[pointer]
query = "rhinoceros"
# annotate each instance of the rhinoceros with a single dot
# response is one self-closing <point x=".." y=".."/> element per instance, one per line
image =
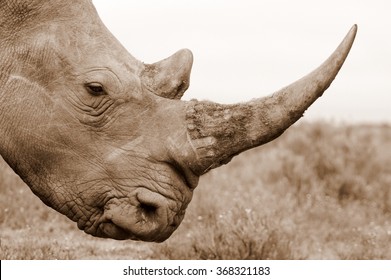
<point x="104" y="138"/>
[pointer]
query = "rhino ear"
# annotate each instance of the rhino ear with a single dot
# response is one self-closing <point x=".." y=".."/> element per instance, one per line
<point x="170" y="77"/>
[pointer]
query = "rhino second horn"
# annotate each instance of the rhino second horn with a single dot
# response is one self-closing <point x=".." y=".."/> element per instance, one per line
<point x="170" y="77"/>
<point x="219" y="132"/>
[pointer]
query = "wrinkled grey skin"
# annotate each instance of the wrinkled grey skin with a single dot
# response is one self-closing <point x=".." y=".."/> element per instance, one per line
<point x="102" y="137"/>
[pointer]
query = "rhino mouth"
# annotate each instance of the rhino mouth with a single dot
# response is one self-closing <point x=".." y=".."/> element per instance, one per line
<point x="113" y="231"/>
<point x="150" y="217"/>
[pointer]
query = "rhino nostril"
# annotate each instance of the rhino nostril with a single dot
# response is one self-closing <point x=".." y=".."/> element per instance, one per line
<point x="148" y="209"/>
<point x="148" y="204"/>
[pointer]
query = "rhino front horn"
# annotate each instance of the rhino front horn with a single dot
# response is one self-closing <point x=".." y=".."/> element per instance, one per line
<point x="219" y="132"/>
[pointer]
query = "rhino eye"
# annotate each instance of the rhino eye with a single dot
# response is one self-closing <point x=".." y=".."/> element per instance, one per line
<point x="95" y="89"/>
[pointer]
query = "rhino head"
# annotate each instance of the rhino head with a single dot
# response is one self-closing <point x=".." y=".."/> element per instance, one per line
<point x="105" y="139"/>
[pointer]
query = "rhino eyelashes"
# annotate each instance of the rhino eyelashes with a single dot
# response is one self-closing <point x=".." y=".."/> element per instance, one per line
<point x="95" y="89"/>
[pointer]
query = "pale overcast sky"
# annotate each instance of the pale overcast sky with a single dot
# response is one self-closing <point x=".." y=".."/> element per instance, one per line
<point x="251" y="48"/>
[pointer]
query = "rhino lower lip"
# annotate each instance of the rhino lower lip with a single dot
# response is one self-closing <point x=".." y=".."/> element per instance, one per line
<point x="111" y="230"/>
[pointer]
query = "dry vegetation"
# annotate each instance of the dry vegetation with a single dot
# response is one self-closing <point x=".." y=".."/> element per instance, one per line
<point x="321" y="191"/>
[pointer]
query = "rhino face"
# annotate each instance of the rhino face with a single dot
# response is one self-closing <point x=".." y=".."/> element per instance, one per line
<point x="104" y="143"/>
<point x="103" y="138"/>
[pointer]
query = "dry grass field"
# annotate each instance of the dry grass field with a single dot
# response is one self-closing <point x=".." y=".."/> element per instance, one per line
<point x="321" y="191"/>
